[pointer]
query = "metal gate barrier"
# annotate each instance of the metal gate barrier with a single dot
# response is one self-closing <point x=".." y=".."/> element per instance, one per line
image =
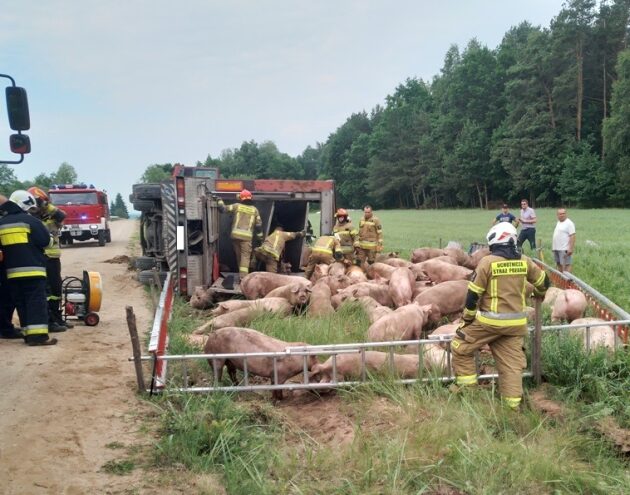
<point x="160" y="358"/>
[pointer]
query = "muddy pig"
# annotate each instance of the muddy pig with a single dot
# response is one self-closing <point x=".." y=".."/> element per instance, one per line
<point x="296" y="294"/>
<point x="401" y="286"/>
<point x="569" y="306"/>
<point x="201" y="298"/>
<point x="403" y="324"/>
<point x="259" y="284"/>
<point x="235" y="340"/>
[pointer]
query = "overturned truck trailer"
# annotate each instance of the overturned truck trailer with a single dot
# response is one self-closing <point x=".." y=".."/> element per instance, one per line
<point x="183" y="232"/>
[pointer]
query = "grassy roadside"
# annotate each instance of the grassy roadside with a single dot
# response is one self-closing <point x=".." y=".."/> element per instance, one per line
<point x="386" y="438"/>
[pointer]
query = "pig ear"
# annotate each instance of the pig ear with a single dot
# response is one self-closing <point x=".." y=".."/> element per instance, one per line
<point x="309" y="288"/>
<point x="295" y="289"/>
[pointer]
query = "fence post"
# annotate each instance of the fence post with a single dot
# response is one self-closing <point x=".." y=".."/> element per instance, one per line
<point x="135" y="345"/>
<point x="536" y="350"/>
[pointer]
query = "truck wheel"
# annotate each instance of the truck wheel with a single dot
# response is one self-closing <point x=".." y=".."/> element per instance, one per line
<point x="143" y="205"/>
<point x="146" y="191"/>
<point x="108" y="235"/>
<point x="101" y="237"/>
<point x="144" y="262"/>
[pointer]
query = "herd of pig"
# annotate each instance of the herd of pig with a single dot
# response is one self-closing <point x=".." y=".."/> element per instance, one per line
<point x="403" y="300"/>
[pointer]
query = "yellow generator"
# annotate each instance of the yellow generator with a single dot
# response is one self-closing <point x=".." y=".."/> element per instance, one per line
<point x="82" y="297"/>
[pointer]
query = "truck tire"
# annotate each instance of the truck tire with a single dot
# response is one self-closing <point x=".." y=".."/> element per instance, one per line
<point x="101" y="237"/>
<point x="146" y="191"/>
<point x="146" y="277"/>
<point x="108" y="235"/>
<point x="144" y="262"/>
<point x="143" y="205"/>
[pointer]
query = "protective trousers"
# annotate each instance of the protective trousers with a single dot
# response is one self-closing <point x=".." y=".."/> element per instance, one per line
<point x="243" y="251"/>
<point x="6" y="305"/>
<point x="506" y="344"/>
<point x="364" y="255"/>
<point x="271" y="264"/>
<point x="29" y="296"/>
<point x="53" y="289"/>
<point x="314" y="259"/>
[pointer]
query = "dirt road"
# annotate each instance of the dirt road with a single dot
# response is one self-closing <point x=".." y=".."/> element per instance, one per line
<point x="63" y="407"/>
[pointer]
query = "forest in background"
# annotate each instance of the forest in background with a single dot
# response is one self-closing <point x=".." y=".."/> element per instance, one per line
<point x="542" y="116"/>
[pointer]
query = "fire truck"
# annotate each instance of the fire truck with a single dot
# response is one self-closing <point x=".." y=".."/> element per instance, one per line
<point x="87" y="213"/>
<point x="183" y="232"/>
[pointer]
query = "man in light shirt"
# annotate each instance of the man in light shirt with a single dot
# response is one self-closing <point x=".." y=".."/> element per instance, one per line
<point x="528" y="226"/>
<point x="563" y="241"/>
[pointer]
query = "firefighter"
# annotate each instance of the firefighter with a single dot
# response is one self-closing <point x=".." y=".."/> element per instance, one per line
<point x="369" y="240"/>
<point x="52" y="217"/>
<point x="245" y="225"/>
<point x="271" y="250"/>
<point x="326" y="250"/>
<point x="495" y="314"/>
<point x="7" y="308"/>
<point x="346" y="234"/>
<point x="22" y="240"/>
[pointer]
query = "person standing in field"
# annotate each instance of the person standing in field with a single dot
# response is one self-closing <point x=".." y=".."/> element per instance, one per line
<point x="563" y="242"/>
<point x="369" y="240"/>
<point x="528" y="226"/>
<point x="345" y="234"/>
<point x="505" y="216"/>
<point x="494" y="314"/>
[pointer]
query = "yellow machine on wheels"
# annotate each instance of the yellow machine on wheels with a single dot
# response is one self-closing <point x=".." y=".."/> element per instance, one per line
<point x="82" y="297"/>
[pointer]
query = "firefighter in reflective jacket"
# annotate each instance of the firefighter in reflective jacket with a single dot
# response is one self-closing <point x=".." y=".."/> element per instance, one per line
<point x="245" y="225"/>
<point x="495" y="314"/>
<point x="326" y="250"/>
<point x="370" y="237"/>
<point x="22" y="240"/>
<point x="52" y="217"/>
<point x="271" y="250"/>
<point x="346" y="234"/>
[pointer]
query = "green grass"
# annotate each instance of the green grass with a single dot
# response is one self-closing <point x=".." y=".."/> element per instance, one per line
<point x="421" y="438"/>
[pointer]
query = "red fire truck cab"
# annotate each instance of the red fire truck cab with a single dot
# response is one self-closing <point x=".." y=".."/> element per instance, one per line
<point x="87" y="212"/>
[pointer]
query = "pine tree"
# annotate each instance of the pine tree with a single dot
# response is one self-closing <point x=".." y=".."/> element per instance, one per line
<point x="120" y="208"/>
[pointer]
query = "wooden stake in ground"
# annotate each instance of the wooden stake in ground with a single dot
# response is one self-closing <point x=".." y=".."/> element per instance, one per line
<point x="135" y="345"/>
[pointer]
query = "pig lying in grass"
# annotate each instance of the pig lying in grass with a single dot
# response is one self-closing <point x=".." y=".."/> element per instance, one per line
<point x="259" y="284"/>
<point x="379" y="292"/>
<point x="600" y="336"/>
<point x="244" y="315"/>
<point x="297" y="294"/>
<point x="236" y="340"/>
<point x="379" y="270"/>
<point x="349" y="366"/>
<point x="425" y="253"/>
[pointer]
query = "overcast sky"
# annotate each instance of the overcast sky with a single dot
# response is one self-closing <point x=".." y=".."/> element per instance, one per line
<point x="115" y="86"/>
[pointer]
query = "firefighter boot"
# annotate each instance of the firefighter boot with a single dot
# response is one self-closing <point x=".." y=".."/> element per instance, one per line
<point x="41" y="339"/>
<point x="54" y="323"/>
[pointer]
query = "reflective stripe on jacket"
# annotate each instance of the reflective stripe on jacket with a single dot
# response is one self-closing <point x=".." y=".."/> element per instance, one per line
<point x="370" y="233"/>
<point x="346" y="235"/>
<point x="246" y="217"/>
<point x="501" y="285"/>
<point x="326" y="244"/>
<point x="274" y="243"/>
<point x="53" y="218"/>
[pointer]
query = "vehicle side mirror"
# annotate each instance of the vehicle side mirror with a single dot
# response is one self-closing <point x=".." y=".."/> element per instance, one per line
<point x="17" y="108"/>
<point x="20" y="143"/>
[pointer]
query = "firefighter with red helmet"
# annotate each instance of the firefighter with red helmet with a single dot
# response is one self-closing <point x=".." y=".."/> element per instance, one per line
<point x="346" y="234"/>
<point x="245" y="225"/>
<point x="22" y="241"/>
<point x="369" y="240"/>
<point x="494" y="314"/>
<point x="52" y="217"/>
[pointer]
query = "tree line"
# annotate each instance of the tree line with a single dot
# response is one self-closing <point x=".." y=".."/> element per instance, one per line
<point x="543" y="116"/>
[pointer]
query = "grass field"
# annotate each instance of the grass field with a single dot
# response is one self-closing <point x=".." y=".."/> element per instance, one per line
<point x="385" y="438"/>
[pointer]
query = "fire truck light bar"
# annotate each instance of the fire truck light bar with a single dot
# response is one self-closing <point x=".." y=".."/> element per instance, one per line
<point x="71" y="186"/>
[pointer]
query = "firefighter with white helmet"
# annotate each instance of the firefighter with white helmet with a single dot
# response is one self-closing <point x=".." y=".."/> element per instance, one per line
<point x="345" y="233"/>
<point x="22" y="240"/>
<point x="53" y="218"/>
<point x="495" y="314"/>
<point x="245" y="225"/>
